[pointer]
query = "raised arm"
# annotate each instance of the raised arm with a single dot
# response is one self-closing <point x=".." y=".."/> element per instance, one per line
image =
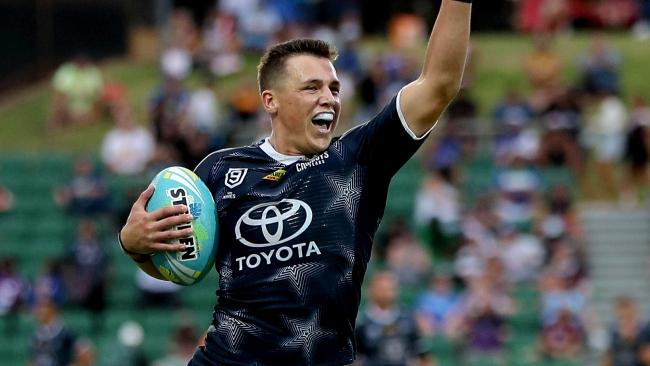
<point x="423" y="101"/>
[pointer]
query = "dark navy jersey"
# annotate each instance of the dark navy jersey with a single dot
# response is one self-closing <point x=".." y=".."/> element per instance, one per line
<point x="295" y="235"/>
<point x="388" y="337"/>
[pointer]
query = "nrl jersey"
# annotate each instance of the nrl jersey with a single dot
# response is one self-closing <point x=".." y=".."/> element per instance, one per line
<point x="295" y="235"/>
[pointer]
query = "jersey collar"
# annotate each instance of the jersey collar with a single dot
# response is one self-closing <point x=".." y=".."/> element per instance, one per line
<point x="281" y="158"/>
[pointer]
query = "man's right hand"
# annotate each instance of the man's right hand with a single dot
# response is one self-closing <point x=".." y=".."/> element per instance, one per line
<point x="148" y="232"/>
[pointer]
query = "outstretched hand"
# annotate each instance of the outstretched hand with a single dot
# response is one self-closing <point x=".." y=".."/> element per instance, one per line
<point x="148" y="232"/>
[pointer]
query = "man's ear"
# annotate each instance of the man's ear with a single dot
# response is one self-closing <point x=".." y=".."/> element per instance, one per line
<point x="269" y="102"/>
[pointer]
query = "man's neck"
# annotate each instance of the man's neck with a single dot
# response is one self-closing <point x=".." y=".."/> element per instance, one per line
<point x="281" y="146"/>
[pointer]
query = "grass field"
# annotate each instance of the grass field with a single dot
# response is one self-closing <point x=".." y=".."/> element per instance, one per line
<point x="499" y="65"/>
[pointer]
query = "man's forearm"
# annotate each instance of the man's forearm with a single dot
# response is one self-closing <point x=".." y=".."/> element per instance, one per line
<point x="447" y="49"/>
<point x="151" y="270"/>
<point x="141" y="260"/>
<point x="443" y="66"/>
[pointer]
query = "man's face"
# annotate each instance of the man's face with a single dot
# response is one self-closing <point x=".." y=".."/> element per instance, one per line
<point x="383" y="290"/>
<point x="306" y="105"/>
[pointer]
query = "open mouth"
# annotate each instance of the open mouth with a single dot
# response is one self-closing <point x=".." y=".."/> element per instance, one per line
<point x="323" y="120"/>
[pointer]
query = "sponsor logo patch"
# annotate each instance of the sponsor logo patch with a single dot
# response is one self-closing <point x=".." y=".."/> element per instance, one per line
<point x="276" y="175"/>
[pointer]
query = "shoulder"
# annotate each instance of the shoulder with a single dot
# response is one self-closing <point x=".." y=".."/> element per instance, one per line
<point x="208" y="167"/>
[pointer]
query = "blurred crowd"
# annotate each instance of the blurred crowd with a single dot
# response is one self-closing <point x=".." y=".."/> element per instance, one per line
<point x="563" y="15"/>
<point x="458" y="274"/>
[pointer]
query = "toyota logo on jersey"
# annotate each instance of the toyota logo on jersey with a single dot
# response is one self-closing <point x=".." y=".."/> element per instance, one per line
<point x="273" y="223"/>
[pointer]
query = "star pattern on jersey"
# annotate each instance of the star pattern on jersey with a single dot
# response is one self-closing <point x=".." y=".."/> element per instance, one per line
<point x="339" y="149"/>
<point x="298" y="274"/>
<point x="234" y="330"/>
<point x="346" y="193"/>
<point x="305" y="333"/>
<point x="225" y="271"/>
<point x="348" y="253"/>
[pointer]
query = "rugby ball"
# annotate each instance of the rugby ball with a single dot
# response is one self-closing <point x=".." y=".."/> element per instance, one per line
<point x="180" y="186"/>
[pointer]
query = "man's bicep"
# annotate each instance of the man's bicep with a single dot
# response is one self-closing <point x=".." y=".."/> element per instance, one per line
<point x="419" y="112"/>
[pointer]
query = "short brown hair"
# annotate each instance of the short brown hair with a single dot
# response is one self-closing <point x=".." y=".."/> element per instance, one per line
<point x="272" y="62"/>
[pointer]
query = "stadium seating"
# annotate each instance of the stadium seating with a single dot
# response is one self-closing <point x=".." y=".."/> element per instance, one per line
<point x="38" y="230"/>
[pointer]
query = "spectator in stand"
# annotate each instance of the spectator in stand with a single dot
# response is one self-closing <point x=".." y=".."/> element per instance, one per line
<point x="185" y="340"/>
<point x="637" y="154"/>
<point x="245" y="110"/>
<point x="482" y="326"/>
<point x="155" y="293"/>
<point x="515" y="135"/>
<point x="408" y="260"/>
<point x="52" y="342"/>
<point x="566" y="262"/>
<point x="259" y="26"/>
<point x="128" y="348"/>
<point x="222" y="50"/>
<point x="543" y="15"/>
<point x="605" y="135"/>
<point x="349" y="60"/>
<point x="560" y="218"/>
<point x="630" y="337"/>
<point x="512" y="111"/>
<point x="562" y="122"/>
<point x="437" y="305"/>
<point x="557" y="296"/>
<point x="385" y="333"/>
<point x="479" y="226"/>
<point x="203" y="109"/>
<point x="616" y="13"/>
<point x="49" y="284"/>
<point x="642" y="26"/>
<point x="6" y="200"/>
<point x="14" y="293"/>
<point x="205" y="116"/>
<point x="521" y="254"/>
<point x="238" y="8"/>
<point x="77" y="93"/>
<point x="564" y="338"/>
<point x="370" y="84"/>
<point x="127" y="148"/>
<point x="88" y="264"/>
<point x="517" y="184"/>
<point x="600" y="67"/>
<point x="180" y="42"/>
<point x="168" y="109"/>
<point x="180" y="30"/>
<point x="350" y="29"/>
<point x="86" y="193"/>
<point x="543" y="68"/>
<point x="396" y="228"/>
<point x="457" y="138"/>
<point x="471" y="259"/>
<point x="437" y="207"/>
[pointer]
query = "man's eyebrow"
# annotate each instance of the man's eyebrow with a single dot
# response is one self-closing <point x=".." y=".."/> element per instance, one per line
<point x="335" y="83"/>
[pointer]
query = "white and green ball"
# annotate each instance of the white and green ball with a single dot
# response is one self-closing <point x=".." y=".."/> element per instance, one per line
<point x="176" y="186"/>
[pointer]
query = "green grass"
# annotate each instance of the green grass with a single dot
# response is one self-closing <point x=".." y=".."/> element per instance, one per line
<point x="501" y="59"/>
<point x="499" y="65"/>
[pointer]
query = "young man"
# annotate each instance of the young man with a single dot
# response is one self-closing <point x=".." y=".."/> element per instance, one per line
<point x="386" y="334"/>
<point x="298" y="211"/>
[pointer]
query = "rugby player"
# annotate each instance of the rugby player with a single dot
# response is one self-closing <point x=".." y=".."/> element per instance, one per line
<point x="298" y="211"/>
